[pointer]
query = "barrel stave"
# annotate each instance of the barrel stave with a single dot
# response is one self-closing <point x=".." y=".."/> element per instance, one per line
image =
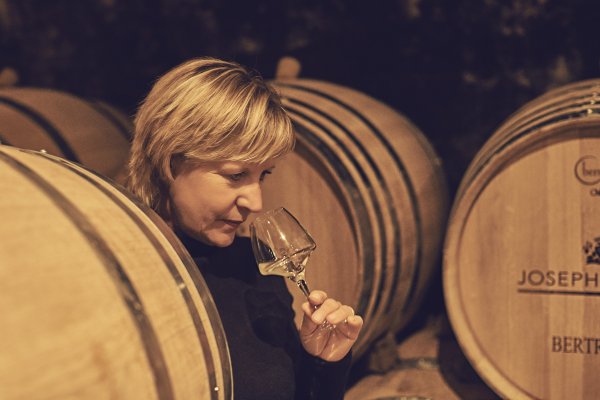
<point x="113" y="303"/>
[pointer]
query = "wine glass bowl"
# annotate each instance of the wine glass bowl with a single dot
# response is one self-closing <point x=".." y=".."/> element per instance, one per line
<point x="281" y="246"/>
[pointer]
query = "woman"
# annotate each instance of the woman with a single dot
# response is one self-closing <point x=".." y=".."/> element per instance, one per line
<point x="206" y="137"/>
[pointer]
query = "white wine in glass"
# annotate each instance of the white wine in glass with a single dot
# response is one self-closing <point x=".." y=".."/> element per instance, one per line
<point x="281" y="246"/>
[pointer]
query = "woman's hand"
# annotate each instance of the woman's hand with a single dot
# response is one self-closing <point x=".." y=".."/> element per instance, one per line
<point x="330" y="343"/>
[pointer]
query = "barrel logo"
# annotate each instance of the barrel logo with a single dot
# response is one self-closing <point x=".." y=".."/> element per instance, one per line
<point x="592" y="251"/>
<point x="587" y="170"/>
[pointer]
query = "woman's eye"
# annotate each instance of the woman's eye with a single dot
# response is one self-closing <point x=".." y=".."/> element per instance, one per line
<point x="264" y="175"/>
<point x="236" y="177"/>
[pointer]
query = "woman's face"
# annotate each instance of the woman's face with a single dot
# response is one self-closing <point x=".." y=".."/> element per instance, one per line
<point x="211" y="200"/>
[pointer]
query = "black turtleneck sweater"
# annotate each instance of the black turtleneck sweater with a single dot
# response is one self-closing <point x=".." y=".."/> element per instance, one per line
<point x="268" y="360"/>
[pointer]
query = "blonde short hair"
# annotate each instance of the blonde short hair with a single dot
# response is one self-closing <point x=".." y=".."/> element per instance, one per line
<point x="204" y="110"/>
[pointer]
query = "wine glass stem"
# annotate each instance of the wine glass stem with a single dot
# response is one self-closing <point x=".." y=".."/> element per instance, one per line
<point x="303" y="286"/>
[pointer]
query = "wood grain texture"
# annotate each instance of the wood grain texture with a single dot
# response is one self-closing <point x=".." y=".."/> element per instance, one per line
<point x="93" y="134"/>
<point x="97" y="300"/>
<point x="569" y="101"/>
<point x="520" y="289"/>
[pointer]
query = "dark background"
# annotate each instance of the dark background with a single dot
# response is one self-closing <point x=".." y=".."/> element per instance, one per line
<point x="456" y="68"/>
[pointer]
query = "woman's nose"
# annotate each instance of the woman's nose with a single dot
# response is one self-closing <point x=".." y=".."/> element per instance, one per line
<point x="251" y="199"/>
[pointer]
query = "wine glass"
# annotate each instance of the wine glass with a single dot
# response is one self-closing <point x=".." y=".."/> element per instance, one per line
<point x="281" y="246"/>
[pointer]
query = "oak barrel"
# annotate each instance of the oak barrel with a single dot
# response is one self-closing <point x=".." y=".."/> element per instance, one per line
<point x="368" y="186"/>
<point x="569" y="99"/>
<point x="91" y="133"/>
<point x="521" y="265"/>
<point x="98" y="298"/>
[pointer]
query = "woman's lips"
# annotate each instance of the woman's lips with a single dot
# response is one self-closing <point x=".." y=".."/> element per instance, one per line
<point x="231" y="223"/>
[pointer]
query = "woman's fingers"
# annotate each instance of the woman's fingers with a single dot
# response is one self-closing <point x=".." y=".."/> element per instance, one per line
<point x="325" y="310"/>
<point x="339" y="315"/>
<point x="330" y="310"/>
<point x="329" y="328"/>
<point x="351" y="326"/>
<point x="317" y="297"/>
<point x="319" y="308"/>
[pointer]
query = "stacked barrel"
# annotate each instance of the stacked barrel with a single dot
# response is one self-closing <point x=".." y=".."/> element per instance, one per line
<point x="99" y="299"/>
<point x="367" y="184"/>
<point x="91" y="133"/>
<point x="521" y="259"/>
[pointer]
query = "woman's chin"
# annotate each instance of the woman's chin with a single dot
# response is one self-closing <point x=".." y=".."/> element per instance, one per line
<point x="220" y="240"/>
